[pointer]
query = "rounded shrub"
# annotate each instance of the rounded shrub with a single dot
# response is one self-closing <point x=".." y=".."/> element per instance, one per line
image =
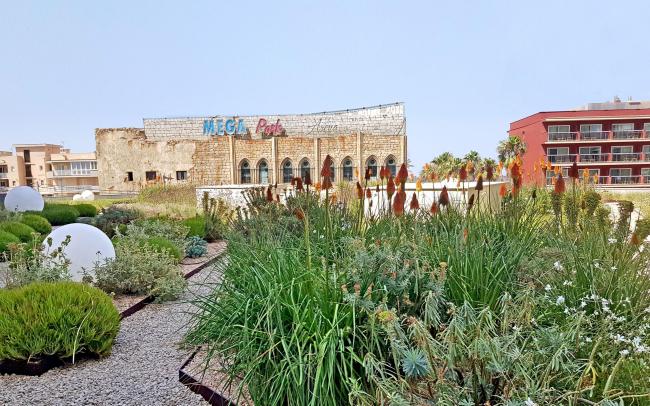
<point x="20" y="230"/>
<point x="160" y="244"/>
<point x="86" y="210"/>
<point x="59" y="214"/>
<point x="196" y="225"/>
<point x="38" y="223"/>
<point x="6" y="239"/>
<point x="56" y="319"/>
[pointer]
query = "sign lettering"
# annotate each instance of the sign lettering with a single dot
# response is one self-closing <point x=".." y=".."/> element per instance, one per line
<point x="229" y="127"/>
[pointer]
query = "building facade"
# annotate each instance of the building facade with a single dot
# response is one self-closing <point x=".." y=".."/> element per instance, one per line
<point x="49" y="168"/>
<point x="268" y="149"/>
<point x="610" y="140"/>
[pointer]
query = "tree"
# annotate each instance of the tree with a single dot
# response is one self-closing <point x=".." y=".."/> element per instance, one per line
<point x="510" y="148"/>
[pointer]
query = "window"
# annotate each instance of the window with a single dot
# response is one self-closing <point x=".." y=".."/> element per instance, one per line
<point x="347" y="169"/>
<point x="181" y="175"/>
<point x="3" y="168"/>
<point x="624" y="130"/>
<point x="624" y="153"/>
<point x="82" y="167"/>
<point x="263" y="172"/>
<point x="26" y="156"/>
<point x="592" y="132"/>
<point x="129" y="176"/>
<point x="590" y="154"/>
<point x="305" y="169"/>
<point x="557" y="155"/>
<point x="621" y="175"/>
<point x="645" y="172"/>
<point x="392" y="166"/>
<point x="150" y="175"/>
<point x="591" y="128"/>
<point x="559" y="132"/>
<point x="245" y="172"/>
<point x="372" y="167"/>
<point x="287" y="171"/>
<point x="4" y="183"/>
<point x="646" y="127"/>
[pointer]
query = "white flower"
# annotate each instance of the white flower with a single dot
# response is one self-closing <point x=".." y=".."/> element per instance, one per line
<point x="611" y="240"/>
<point x="596" y="265"/>
<point x="587" y="339"/>
<point x="567" y="283"/>
<point x="548" y="289"/>
<point x="529" y="402"/>
<point x="583" y="303"/>
<point x="624" y="352"/>
<point x="516" y="328"/>
<point x="558" y="266"/>
<point x="619" y="338"/>
<point x="614" y="268"/>
<point x="560" y="300"/>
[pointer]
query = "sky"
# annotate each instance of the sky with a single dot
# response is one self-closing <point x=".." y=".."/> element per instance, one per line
<point x="464" y="69"/>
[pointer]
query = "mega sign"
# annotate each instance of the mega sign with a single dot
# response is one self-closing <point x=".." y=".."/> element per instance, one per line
<point x="230" y="127"/>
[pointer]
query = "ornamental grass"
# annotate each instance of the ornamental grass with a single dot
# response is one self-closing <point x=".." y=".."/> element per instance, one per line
<point x="543" y="301"/>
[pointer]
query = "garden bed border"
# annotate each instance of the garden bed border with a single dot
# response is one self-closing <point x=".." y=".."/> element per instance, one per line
<point x="211" y="396"/>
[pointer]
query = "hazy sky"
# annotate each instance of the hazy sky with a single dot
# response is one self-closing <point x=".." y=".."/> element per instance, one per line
<point x="465" y="69"/>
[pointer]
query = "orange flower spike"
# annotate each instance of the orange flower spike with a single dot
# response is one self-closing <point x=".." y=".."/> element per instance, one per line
<point x="557" y="170"/>
<point x="489" y="172"/>
<point x="462" y="174"/>
<point x="585" y="174"/>
<point x="390" y="187"/>
<point x="356" y="173"/>
<point x="503" y="190"/>
<point x="573" y="171"/>
<point x="326" y="170"/>
<point x="418" y="185"/>
<point x="403" y="174"/>
<point x="327" y="183"/>
<point x="359" y="191"/>
<point x="443" y="199"/>
<point x="415" y="205"/>
<point x="559" y="184"/>
<point x="549" y="166"/>
<point x="317" y="186"/>
<point x="269" y="194"/>
<point x="368" y="194"/>
<point x="465" y="234"/>
<point x="398" y="203"/>
<point x="479" y="183"/>
<point x="635" y="239"/>
<point x="434" y="208"/>
<point x="596" y="179"/>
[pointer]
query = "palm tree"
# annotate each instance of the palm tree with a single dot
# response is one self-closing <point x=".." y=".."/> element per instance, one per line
<point x="510" y="148"/>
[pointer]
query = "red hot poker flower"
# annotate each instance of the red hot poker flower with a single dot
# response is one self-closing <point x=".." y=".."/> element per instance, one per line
<point x="368" y="193"/>
<point x="307" y="178"/>
<point x="573" y="171"/>
<point x="415" y="205"/>
<point x="462" y="174"/>
<point x="479" y="183"/>
<point x="489" y="172"/>
<point x="434" y="208"/>
<point x="503" y="190"/>
<point x="559" y="184"/>
<point x="398" y="203"/>
<point x="403" y="174"/>
<point x="326" y="171"/>
<point x="443" y="199"/>
<point x="269" y="194"/>
<point x="359" y="191"/>
<point x="390" y="188"/>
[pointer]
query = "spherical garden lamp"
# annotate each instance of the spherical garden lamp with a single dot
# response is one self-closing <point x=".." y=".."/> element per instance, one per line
<point x="24" y="198"/>
<point x="87" y="195"/>
<point x="88" y="245"/>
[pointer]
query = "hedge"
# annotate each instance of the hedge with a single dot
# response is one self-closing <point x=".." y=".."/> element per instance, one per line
<point x="6" y="239"/>
<point x="20" y="230"/>
<point x="38" y="223"/>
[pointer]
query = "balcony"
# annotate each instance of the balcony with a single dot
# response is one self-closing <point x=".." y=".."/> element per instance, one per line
<point x="560" y="159"/>
<point x="624" y="180"/>
<point x="4" y="175"/>
<point x="626" y="135"/>
<point x="594" y="157"/>
<point x="625" y="157"/>
<point x="631" y="157"/>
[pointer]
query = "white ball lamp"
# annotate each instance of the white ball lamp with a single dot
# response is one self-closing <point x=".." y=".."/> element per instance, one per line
<point x="24" y="198"/>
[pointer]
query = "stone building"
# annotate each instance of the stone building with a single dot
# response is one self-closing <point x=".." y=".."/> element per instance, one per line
<point x="223" y="150"/>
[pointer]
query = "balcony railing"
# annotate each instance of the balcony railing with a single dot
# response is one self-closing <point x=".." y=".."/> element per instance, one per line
<point x="627" y="134"/>
<point x="563" y="136"/>
<point x="624" y="179"/>
<point x="599" y="135"/>
<point x="69" y="172"/>
<point x="625" y="157"/>
<point x="4" y="175"/>
<point x="594" y="157"/>
<point x="594" y="135"/>
<point x="559" y="159"/>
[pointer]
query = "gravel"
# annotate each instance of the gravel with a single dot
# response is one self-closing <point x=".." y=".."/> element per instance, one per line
<point x="142" y="369"/>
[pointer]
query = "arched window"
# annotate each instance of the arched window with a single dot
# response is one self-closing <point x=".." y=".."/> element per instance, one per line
<point x="333" y="172"/>
<point x="348" y="169"/>
<point x="245" y="172"/>
<point x="305" y="168"/>
<point x="263" y="172"/>
<point x="392" y="165"/>
<point x="287" y="171"/>
<point x="371" y="164"/>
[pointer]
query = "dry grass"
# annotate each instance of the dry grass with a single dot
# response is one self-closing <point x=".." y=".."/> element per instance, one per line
<point x="641" y="200"/>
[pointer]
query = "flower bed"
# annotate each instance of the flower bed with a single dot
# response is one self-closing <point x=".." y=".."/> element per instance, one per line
<point x="542" y="301"/>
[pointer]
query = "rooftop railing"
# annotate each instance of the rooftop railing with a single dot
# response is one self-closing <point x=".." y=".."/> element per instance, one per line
<point x="597" y="135"/>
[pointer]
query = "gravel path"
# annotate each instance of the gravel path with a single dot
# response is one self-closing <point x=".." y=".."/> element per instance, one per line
<point x="142" y="370"/>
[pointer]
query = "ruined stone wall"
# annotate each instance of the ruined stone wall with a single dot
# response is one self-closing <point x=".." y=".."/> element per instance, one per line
<point x="377" y="120"/>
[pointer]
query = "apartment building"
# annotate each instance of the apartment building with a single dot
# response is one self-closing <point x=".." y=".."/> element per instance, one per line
<point x="49" y="168"/>
<point x="610" y="140"/>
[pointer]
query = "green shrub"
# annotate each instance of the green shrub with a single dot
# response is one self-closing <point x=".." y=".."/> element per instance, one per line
<point x="86" y="210"/>
<point x="32" y="263"/>
<point x="196" y="247"/>
<point x="140" y="269"/>
<point x="172" y="230"/>
<point x="24" y="232"/>
<point x="60" y="319"/>
<point x="163" y="245"/>
<point x="113" y="217"/>
<point x="5" y="240"/>
<point x="38" y="223"/>
<point x="58" y="214"/>
<point x="196" y="226"/>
